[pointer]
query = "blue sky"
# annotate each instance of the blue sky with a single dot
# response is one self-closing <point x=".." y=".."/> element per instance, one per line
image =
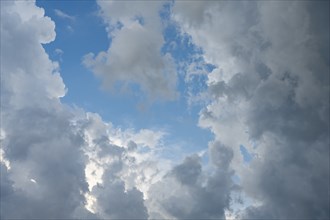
<point x="86" y="33"/>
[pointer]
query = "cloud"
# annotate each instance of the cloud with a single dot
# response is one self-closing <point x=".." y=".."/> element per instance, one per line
<point x="189" y="192"/>
<point x="40" y="143"/>
<point x="23" y="78"/>
<point x="64" y="15"/>
<point x="117" y="203"/>
<point x="52" y="157"/>
<point x="134" y="58"/>
<point x="46" y="146"/>
<point x="189" y="171"/>
<point x="270" y="92"/>
<point x="59" y="53"/>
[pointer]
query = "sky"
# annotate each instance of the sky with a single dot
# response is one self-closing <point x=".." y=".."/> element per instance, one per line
<point x="164" y="109"/>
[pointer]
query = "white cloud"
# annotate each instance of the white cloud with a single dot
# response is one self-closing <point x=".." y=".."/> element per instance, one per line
<point x="59" y="51"/>
<point x="27" y="78"/>
<point x="64" y="15"/>
<point x="47" y="145"/>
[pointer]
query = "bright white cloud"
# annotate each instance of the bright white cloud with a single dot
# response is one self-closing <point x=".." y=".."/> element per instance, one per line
<point x="22" y="36"/>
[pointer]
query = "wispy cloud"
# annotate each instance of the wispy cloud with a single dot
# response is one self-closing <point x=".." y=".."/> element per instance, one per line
<point x="64" y="15"/>
<point x="59" y="53"/>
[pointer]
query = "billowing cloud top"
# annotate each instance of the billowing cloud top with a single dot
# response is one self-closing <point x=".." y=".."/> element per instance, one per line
<point x="267" y="100"/>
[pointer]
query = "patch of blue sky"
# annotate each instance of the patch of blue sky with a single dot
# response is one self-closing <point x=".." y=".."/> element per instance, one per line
<point x="185" y="53"/>
<point x="247" y="157"/>
<point x="187" y="56"/>
<point x="140" y="19"/>
<point x="87" y="34"/>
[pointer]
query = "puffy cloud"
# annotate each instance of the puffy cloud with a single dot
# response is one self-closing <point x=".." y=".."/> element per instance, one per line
<point x="46" y="176"/>
<point x="43" y="147"/>
<point x="115" y="202"/>
<point x="121" y="168"/>
<point x="134" y="58"/>
<point x="189" y="171"/>
<point x="49" y="151"/>
<point x="23" y="29"/>
<point x="190" y="192"/>
<point x="270" y="93"/>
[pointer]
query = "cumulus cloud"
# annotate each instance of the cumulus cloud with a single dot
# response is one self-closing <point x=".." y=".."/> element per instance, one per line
<point x="40" y="143"/>
<point x="49" y="151"/>
<point x="27" y="25"/>
<point x="190" y="192"/>
<point x="134" y="58"/>
<point x="270" y="92"/>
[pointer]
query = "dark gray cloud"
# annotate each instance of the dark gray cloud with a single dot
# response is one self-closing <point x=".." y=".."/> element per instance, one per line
<point x="294" y="173"/>
<point x="188" y="192"/>
<point x="220" y="155"/>
<point x="189" y="171"/>
<point x="42" y="146"/>
<point x="271" y="93"/>
<point x="115" y="202"/>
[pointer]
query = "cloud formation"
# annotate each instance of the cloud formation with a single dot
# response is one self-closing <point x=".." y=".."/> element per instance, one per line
<point x="189" y="192"/>
<point x="270" y="93"/>
<point x="46" y="176"/>
<point x="134" y="58"/>
<point x="46" y="146"/>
